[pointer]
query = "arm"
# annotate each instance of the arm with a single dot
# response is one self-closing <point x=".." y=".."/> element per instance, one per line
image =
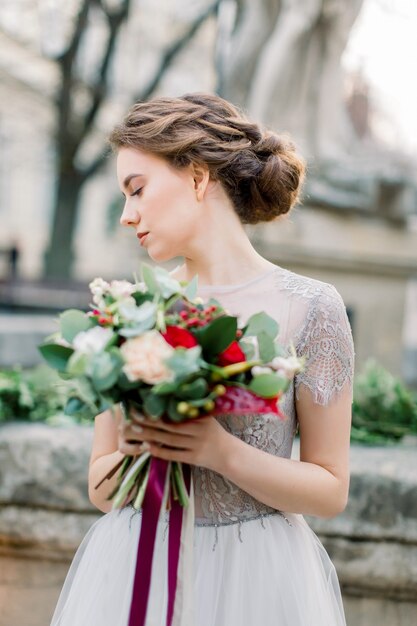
<point x="104" y="456"/>
<point x="318" y="484"/>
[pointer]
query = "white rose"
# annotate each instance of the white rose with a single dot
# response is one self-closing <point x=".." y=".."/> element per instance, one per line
<point x="92" y="340"/>
<point x="290" y="366"/>
<point x="258" y="369"/>
<point x="144" y="358"/>
<point x="98" y="288"/>
<point x="121" y="289"/>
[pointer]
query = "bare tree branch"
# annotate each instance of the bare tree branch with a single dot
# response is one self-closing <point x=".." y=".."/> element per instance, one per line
<point x="100" y="88"/>
<point x="66" y="61"/>
<point x="174" y="50"/>
<point x="166" y="60"/>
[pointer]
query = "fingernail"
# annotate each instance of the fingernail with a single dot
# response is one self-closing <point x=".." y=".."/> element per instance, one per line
<point x="146" y="446"/>
<point x="137" y="417"/>
<point x="136" y="428"/>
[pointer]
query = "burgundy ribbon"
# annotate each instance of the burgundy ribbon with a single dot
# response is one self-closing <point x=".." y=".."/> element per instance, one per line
<point x="151" y="508"/>
<point x="150" y="514"/>
<point x="174" y="543"/>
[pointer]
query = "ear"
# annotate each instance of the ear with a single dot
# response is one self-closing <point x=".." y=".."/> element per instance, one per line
<point x="201" y="177"/>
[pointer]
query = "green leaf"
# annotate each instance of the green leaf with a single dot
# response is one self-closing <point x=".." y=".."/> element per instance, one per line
<point x="105" y="369"/>
<point x="248" y="349"/>
<point x="165" y="388"/>
<point x="78" y="363"/>
<point x="55" y="355"/>
<point x="216" y="336"/>
<point x="194" y="390"/>
<point x="184" y="361"/>
<point x="267" y="385"/>
<point x="172" y="411"/>
<point x="190" y="291"/>
<point x="73" y="322"/>
<point x="166" y="284"/>
<point x="266" y="347"/>
<point x="75" y="406"/>
<point x="149" y="278"/>
<point x="155" y="405"/>
<point x="261" y="322"/>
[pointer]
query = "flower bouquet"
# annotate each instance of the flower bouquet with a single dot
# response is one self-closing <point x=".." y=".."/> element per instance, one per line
<point x="153" y="346"/>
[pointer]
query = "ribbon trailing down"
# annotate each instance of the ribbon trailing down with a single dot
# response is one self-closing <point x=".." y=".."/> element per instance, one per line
<point x="157" y="491"/>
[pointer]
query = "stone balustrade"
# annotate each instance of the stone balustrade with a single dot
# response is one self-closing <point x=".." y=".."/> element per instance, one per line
<point x="45" y="512"/>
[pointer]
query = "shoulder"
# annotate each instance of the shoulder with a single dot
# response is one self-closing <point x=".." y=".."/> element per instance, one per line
<point x="316" y="293"/>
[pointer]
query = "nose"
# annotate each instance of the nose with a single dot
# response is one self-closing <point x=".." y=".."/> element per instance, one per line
<point x="129" y="217"/>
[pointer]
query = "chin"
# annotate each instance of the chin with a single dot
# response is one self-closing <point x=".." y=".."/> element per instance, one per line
<point x="161" y="256"/>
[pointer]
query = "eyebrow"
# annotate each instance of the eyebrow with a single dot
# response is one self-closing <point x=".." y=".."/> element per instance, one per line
<point x="129" y="178"/>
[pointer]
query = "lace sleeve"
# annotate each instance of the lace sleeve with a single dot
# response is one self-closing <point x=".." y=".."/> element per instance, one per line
<point x="326" y="340"/>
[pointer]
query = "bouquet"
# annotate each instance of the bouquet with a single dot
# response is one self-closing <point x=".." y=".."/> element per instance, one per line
<point x="153" y="346"/>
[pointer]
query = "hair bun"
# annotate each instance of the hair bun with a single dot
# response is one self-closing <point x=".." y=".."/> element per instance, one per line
<point x="259" y="169"/>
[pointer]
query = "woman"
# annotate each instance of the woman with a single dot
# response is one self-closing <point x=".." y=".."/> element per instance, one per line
<point x="193" y="170"/>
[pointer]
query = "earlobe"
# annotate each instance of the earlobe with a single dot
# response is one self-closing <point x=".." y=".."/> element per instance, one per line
<point x="201" y="177"/>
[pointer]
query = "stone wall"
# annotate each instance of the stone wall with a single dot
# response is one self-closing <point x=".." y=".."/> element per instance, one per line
<point x="45" y="512"/>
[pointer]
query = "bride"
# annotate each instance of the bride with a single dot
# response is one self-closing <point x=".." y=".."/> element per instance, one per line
<point x="193" y="170"/>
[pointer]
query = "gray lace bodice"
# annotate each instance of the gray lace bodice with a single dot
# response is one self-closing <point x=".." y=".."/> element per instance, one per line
<point x="312" y="316"/>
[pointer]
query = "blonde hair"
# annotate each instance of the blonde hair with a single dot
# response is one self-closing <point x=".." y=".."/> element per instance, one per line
<point x="259" y="169"/>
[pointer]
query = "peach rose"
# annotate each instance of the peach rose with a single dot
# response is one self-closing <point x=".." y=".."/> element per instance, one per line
<point x="144" y="358"/>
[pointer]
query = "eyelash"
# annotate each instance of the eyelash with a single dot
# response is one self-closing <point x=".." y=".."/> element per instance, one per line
<point x="137" y="192"/>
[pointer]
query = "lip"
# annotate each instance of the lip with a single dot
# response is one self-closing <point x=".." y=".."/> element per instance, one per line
<point x="142" y="237"/>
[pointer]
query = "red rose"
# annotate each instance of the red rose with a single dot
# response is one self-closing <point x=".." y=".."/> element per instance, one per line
<point x="232" y="354"/>
<point x="179" y="337"/>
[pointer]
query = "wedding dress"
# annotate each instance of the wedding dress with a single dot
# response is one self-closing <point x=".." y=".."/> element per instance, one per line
<point x="252" y="565"/>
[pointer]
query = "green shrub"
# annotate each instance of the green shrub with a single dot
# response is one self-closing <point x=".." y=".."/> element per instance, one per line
<point x="383" y="410"/>
<point x="34" y="395"/>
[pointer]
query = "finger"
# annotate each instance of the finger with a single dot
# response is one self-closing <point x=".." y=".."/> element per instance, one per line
<point x="174" y="440"/>
<point x="133" y="449"/>
<point x="169" y="454"/>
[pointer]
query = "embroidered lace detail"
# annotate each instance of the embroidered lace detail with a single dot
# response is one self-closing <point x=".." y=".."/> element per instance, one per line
<point x="326" y="340"/>
<point x="218" y="500"/>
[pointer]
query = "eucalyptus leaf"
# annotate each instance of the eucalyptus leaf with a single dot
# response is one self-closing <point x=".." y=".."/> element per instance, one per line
<point x="78" y="363"/>
<point x="190" y="291"/>
<point x="155" y="405"/>
<point x="267" y="385"/>
<point x="105" y="370"/>
<point x="73" y="322"/>
<point x="168" y="285"/>
<point x="149" y="278"/>
<point x="184" y="361"/>
<point x="56" y="355"/>
<point x="198" y="388"/>
<point x="139" y="314"/>
<point x="266" y="347"/>
<point x="261" y="322"/>
<point x="165" y="388"/>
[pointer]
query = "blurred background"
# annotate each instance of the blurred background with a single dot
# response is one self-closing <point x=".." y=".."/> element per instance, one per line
<point x="334" y="74"/>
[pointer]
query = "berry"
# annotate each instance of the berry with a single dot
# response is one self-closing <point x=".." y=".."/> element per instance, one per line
<point x="183" y="407"/>
<point x="209" y="405"/>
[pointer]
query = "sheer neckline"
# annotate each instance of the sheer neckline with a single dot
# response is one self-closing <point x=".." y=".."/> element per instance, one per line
<point x="234" y="286"/>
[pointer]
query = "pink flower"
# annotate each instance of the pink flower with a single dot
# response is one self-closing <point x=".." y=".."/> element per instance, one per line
<point x="144" y="358"/>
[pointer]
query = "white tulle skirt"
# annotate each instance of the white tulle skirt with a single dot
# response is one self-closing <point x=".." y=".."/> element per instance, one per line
<point x="271" y="572"/>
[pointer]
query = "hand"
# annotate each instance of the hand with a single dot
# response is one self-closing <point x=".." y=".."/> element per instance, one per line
<point x="203" y="441"/>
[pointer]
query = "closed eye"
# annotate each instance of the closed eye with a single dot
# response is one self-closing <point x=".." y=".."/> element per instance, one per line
<point x="137" y="192"/>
